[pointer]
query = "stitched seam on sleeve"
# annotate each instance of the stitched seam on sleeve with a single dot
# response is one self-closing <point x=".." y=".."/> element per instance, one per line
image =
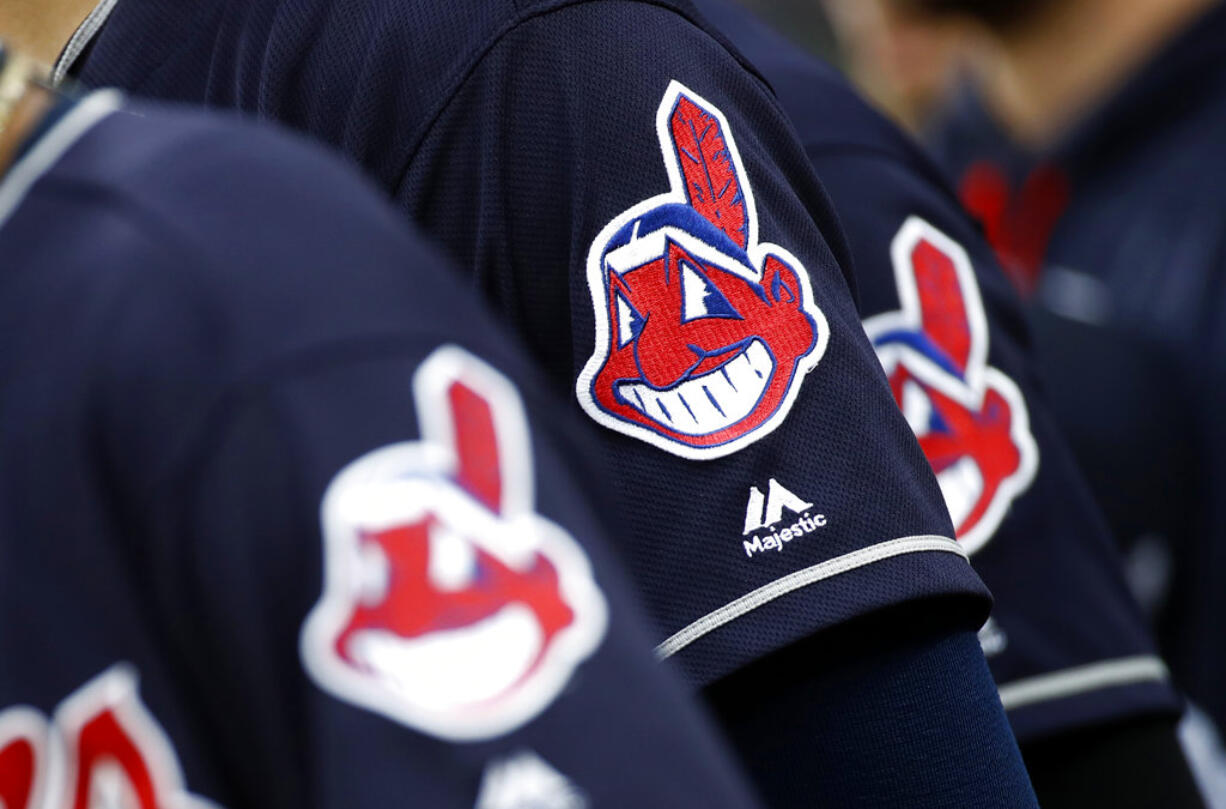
<point x="803" y="578"/>
<point x="1083" y="679"/>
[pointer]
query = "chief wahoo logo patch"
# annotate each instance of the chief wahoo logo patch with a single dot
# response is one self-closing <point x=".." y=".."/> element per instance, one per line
<point x="450" y="605"/>
<point x="970" y="418"/>
<point x="703" y="333"/>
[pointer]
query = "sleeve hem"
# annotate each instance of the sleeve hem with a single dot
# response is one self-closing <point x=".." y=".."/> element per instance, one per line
<point x="1084" y="696"/>
<point x="803" y="578"/>
<point x="1082" y="679"/>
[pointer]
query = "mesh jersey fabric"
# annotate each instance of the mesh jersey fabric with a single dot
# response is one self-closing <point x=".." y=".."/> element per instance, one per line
<point x="207" y="323"/>
<point x="1067" y="645"/>
<point x="1125" y="313"/>
<point x="462" y="114"/>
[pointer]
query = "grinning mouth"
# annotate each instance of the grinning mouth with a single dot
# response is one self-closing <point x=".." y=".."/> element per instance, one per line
<point x="961" y="482"/>
<point x="961" y="485"/>
<point x="456" y="669"/>
<point x="709" y="403"/>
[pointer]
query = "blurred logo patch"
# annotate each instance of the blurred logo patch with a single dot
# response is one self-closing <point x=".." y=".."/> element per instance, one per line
<point x="101" y="748"/>
<point x="449" y="604"/>
<point x="971" y="419"/>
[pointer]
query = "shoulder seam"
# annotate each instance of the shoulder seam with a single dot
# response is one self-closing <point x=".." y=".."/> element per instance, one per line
<point x="483" y="50"/>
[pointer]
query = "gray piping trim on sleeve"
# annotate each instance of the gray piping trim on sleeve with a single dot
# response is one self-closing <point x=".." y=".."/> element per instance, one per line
<point x="803" y="578"/>
<point x="1082" y="679"/>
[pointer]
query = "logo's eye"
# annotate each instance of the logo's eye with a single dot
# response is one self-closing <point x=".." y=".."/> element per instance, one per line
<point x="629" y="321"/>
<point x="700" y="298"/>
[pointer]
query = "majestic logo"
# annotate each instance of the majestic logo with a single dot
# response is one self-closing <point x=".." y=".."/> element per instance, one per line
<point x="449" y="604"/>
<point x="970" y="418"/>
<point x="703" y="333"/>
<point x="102" y="749"/>
<point x="765" y="511"/>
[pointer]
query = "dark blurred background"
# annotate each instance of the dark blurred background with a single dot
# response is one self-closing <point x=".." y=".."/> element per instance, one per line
<point x="901" y="62"/>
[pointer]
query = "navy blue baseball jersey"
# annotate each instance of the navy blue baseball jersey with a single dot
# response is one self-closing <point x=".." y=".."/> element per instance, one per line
<point x="1119" y="227"/>
<point x="1066" y="643"/>
<point x="287" y="521"/>
<point x="630" y="197"/>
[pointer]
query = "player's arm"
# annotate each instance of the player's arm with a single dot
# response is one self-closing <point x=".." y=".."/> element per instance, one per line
<point x="872" y="714"/>
<point x="368" y="553"/>
<point x="1082" y="732"/>
<point x="585" y="219"/>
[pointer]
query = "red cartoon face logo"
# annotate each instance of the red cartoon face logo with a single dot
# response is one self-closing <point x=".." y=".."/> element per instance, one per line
<point x="704" y="335"/>
<point x="971" y="419"/>
<point x="102" y="748"/>
<point x="449" y="604"/>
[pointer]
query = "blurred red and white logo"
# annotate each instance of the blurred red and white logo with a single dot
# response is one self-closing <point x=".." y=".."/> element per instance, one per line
<point x="449" y="604"/>
<point x="970" y="418"/>
<point x="102" y="748"/>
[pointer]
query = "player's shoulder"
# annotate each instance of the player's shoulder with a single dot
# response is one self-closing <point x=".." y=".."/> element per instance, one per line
<point x="617" y="23"/>
<point x="370" y="76"/>
<point x="196" y="255"/>
<point x="252" y="238"/>
<point x="226" y="188"/>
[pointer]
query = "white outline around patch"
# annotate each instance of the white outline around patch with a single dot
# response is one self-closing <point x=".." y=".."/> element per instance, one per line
<point x="758" y="253"/>
<point x="114" y="691"/>
<point x="980" y="377"/>
<point x="371" y="493"/>
<point x="28" y="724"/>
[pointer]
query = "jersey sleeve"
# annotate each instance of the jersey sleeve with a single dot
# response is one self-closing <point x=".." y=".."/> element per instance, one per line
<point x="633" y="202"/>
<point x="1067" y="645"/>
<point x="367" y="554"/>
<point x="393" y="587"/>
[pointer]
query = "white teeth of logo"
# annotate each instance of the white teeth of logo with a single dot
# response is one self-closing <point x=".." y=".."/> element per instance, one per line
<point x="435" y="672"/>
<point x="711" y="402"/>
<point x="961" y="484"/>
<point x="916" y="408"/>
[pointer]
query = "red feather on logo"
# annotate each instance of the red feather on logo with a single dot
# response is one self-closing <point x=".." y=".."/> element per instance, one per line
<point x="711" y="182"/>
<point x="942" y="302"/>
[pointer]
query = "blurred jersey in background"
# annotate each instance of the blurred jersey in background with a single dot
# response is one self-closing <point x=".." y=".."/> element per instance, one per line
<point x="1089" y="138"/>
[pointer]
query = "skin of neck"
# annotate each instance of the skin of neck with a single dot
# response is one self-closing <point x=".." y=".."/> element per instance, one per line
<point x="1040" y="75"/>
<point x="27" y="114"/>
<point x="41" y="28"/>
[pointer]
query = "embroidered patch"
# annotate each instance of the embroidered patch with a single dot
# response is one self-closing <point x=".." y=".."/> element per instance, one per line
<point x="703" y="333"/>
<point x="449" y="604"/>
<point x="971" y="419"/>
<point x="764" y="512"/>
<point x="101" y="748"/>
